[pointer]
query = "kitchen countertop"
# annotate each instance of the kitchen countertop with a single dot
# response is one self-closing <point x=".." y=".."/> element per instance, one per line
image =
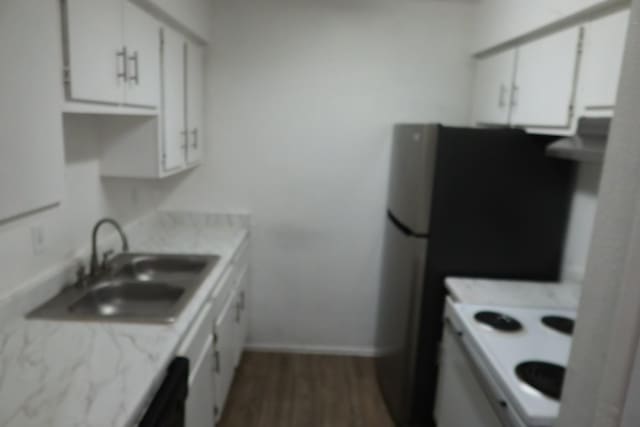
<point x="514" y="293"/>
<point x="66" y="374"/>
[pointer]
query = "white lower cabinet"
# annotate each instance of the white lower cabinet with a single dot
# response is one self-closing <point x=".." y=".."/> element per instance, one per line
<point x="215" y="342"/>
<point x="200" y="401"/>
<point x="225" y="352"/>
<point x="461" y="400"/>
<point x="242" y="317"/>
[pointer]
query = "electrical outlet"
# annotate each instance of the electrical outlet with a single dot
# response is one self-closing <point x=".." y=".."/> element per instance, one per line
<point x="38" y="239"/>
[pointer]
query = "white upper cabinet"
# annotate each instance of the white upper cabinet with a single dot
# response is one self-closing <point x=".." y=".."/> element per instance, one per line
<point x="195" y="101"/>
<point x="113" y="53"/>
<point x="174" y="133"/>
<point x="142" y="37"/>
<point x="492" y="93"/>
<point x="31" y="133"/>
<point x="95" y="50"/>
<point x="545" y="78"/>
<point x="500" y="21"/>
<point x="142" y="147"/>
<point x="602" y="61"/>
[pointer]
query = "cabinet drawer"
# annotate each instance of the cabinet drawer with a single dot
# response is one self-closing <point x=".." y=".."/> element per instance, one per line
<point x="196" y="339"/>
<point x="223" y="291"/>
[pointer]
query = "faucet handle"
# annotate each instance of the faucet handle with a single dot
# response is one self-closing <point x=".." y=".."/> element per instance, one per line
<point x="81" y="276"/>
<point x="105" y="258"/>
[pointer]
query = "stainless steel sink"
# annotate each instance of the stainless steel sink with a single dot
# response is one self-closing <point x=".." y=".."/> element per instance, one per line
<point x="151" y="267"/>
<point x="147" y="288"/>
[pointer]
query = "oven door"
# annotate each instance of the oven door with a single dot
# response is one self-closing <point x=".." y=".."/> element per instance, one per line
<point x="487" y="404"/>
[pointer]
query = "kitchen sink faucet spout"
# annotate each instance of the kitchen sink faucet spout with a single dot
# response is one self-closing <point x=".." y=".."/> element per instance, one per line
<point x="94" y="242"/>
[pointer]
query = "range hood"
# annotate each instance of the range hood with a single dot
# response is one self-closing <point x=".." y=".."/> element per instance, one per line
<point x="588" y="145"/>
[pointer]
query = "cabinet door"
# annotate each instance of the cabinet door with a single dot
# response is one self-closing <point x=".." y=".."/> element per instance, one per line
<point x="32" y="159"/>
<point x="195" y="101"/>
<point x="602" y="61"/>
<point x="173" y="108"/>
<point x="545" y="81"/>
<point x="242" y="328"/>
<point x="225" y="351"/>
<point x="142" y="38"/>
<point x="200" y="401"/>
<point x="95" y="49"/>
<point x="494" y="78"/>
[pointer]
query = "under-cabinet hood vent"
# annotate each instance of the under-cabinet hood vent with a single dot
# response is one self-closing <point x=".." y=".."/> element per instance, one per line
<point x="588" y="145"/>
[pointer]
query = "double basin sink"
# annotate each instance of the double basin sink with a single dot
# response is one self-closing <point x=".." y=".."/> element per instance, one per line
<point x="147" y="288"/>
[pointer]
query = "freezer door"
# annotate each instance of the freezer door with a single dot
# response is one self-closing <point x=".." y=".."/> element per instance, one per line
<point x="400" y="296"/>
<point x="413" y="161"/>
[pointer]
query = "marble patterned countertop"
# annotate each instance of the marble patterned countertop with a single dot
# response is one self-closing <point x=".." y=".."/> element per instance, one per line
<point x="82" y="374"/>
<point x="514" y="293"/>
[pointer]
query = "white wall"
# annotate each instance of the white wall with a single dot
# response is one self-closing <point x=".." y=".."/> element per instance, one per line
<point x="66" y="228"/>
<point x="302" y="98"/>
<point x="581" y="222"/>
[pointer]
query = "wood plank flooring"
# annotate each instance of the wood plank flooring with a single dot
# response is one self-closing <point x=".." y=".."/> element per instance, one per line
<point x="287" y="390"/>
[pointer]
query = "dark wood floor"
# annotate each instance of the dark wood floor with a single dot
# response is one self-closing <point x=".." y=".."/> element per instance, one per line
<point x="285" y="390"/>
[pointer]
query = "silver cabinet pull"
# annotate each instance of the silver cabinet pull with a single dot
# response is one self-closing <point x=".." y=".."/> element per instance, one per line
<point x="122" y="69"/>
<point x="217" y="361"/>
<point x="135" y="77"/>
<point x="195" y="143"/>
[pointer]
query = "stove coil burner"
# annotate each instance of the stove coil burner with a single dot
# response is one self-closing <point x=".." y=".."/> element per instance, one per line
<point x="545" y="377"/>
<point x="498" y="321"/>
<point x="559" y="324"/>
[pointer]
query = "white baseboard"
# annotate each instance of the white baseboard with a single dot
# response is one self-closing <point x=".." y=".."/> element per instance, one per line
<point x="313" y="349"/>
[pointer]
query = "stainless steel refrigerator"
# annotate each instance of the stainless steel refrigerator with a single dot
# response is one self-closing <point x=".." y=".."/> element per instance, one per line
<point x="462" y="202"/>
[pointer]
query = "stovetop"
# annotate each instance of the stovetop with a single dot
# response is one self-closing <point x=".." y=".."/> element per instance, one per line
<point x="526" y="351"/>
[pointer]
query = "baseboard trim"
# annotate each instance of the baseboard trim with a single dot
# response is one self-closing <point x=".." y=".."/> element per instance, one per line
<point x="313" y="349"/>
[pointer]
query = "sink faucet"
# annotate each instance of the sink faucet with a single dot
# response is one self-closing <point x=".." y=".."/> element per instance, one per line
<point x="94" y="242"/>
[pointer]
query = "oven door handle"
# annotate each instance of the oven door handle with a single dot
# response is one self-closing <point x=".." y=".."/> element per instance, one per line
<point x="500" y="406"/>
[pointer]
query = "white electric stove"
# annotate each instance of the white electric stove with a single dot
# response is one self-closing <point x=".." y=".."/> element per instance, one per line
<point x="520" y="355"/>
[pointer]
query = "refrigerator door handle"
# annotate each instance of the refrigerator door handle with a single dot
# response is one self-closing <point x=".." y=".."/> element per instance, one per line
<point x="405" y="230"/>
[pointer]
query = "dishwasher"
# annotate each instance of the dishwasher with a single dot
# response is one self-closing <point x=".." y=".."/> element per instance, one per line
<point x="167" y="409"/>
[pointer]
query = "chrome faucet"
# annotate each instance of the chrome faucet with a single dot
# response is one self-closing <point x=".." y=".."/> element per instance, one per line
<point x="94" y="243"/>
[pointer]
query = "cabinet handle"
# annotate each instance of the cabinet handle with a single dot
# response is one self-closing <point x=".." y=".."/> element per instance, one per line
<point x="515" y="95"/>
<point x="502" y="102"/>
<point x="242" y="300"/>
<point x="217" y="361"/>
<point x="238" y="312"/>
<point x="194" y="144"/>
<point x="121" y="57"/>
<point x="136" y="68"/>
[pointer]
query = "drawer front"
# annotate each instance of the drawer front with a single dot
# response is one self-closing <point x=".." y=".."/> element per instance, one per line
<point x="222" y="292"/>
<point x="194" y="343"/>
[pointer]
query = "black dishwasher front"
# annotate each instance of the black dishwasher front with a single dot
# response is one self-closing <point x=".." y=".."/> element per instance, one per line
<point x="167" y="409"/>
